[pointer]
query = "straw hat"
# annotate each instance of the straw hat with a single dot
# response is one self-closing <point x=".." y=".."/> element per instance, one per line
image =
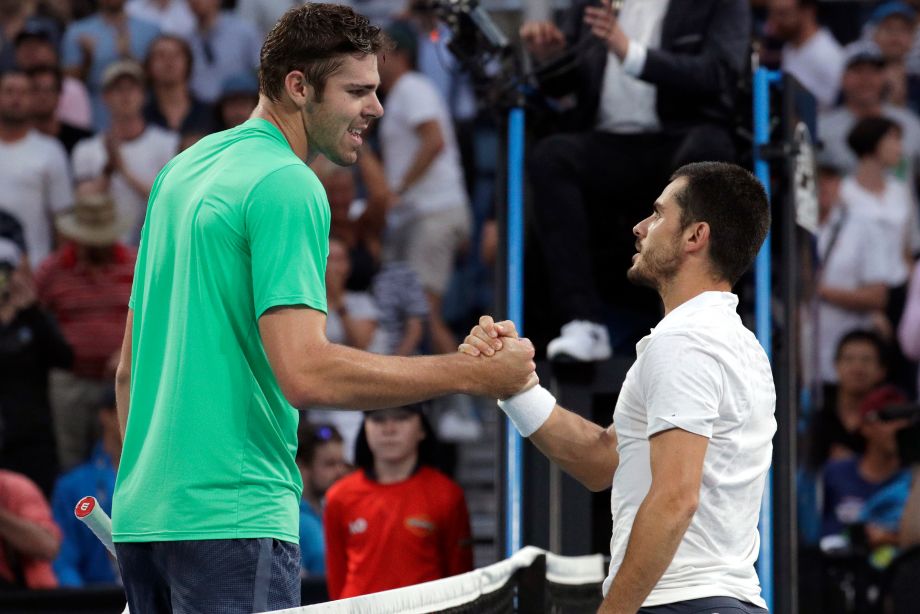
<point x="93" y="221"/>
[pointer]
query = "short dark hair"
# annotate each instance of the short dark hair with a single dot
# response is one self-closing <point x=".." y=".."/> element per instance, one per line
<point x="868" y="133"/>
<point x="734" y="204"/>
<point x="48" y="70"/>
<point x="315" y="38"/>
<point x="183" y="44"/>
<point x="864" y="336"/>
<point x="311" y="437"/>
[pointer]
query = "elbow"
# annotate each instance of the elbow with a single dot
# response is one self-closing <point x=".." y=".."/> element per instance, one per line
<point x="122" y="375"/>
<point x="307" y="392"/>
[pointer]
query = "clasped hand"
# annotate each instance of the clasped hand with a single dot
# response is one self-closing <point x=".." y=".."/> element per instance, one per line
<point x="489" y="337"/>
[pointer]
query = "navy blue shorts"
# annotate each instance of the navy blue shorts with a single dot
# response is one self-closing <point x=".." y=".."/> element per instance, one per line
<point x="706" y="605"/>
<point x="205" y="576"/>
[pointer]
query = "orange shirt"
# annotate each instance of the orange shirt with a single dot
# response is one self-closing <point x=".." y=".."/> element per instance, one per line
<point x="384" y="536"/>
<point x="20" y="497"/>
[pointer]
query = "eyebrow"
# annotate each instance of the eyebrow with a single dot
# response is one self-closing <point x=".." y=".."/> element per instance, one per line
<point x="361" y="86"/>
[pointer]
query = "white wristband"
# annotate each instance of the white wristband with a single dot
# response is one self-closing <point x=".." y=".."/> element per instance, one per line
<point x="528" y="410"/>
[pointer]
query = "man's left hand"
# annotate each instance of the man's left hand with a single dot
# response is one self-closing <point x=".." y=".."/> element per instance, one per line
<point x="604" y="25"/>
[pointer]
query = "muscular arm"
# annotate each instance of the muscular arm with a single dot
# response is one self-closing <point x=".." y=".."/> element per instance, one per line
<point x="583" y="449"/>
<point x="315" y="372"/>
<point x="677" y="471"/>
<point x="123" y="376"/>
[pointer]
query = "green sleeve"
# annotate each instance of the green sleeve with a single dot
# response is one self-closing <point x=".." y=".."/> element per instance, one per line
<point x="287" y="226"/>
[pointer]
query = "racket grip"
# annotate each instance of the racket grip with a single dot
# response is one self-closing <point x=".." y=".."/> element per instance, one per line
<point x="93" y="516"/>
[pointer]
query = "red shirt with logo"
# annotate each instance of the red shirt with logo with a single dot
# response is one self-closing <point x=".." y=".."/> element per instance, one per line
<point x="384" y="536"/>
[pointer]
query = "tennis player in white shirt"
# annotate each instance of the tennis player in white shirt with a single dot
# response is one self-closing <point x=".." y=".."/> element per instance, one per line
<point x="690" y="445"/>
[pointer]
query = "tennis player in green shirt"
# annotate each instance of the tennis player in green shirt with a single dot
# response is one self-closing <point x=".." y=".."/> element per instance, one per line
<point x="226" y="335"/>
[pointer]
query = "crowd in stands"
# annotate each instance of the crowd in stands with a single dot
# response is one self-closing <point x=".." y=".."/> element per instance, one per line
<point x="96" y="96"/>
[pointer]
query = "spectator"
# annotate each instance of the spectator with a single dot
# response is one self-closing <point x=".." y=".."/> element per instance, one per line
<point x="28" y="533"/>
<point x="402" y="309"/>
<point x="854" y="273"/>
<point x="82" y="559"/>
<point x="397" y="520"/>
<point x="910" y="518"/>
<point x="873" y="194"/>
<point x="16" y="17"/>
<point x="171" y="104"/>
<point x="37" y="187"/>
<point x="653" y="89"/>
<point x="86" y="284"/>
<point x="352" y="316"/>
<point x="35" y="48"/>
<point x="894" y="26"/>
<point x="30" y="346"/>
<point x="223" y="45"/>
<point x="431" y="222"/>
<point x="171" y="16"/>
<point x="849" y="483"/>
<point x="238" y="97"/>
<point x="46" y="89"/>
<point x="811" y="54"/>
<point x="321" y="460"/>
<point x="92" y="44"/>
<point x="861" y="367"/>
<point x="264" y="13"/>
<point x="863" y="87"/>
<point x="125" y="160"/>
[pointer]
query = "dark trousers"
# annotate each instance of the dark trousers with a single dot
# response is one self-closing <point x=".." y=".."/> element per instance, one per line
<point x="205" y="576"/>
<point x="706" y="605"/>
<point x="589" y="190"/>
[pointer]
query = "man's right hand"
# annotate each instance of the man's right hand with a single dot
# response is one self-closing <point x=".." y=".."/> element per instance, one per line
<point x="542" y="39"/>
<point x="507" y="356"/>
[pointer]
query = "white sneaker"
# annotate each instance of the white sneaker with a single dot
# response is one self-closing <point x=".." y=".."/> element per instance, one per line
<point x="580" y="341"/>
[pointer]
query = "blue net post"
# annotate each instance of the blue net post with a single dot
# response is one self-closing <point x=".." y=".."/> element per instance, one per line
<point x="515" y="297"/>
<point x="763" y="78"/>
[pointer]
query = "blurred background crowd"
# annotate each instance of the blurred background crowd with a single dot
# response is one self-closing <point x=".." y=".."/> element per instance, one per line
<point x="97" y="95"/>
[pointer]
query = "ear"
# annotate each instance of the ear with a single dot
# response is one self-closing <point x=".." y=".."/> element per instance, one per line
<point x="697" y="237"/>
<point x="298" y="90"/>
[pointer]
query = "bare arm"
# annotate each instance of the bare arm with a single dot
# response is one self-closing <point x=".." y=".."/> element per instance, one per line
<point x="677" y="472"/>
<point x="583" y="449"/>
<point x="123" y="376"/>
<point x="866" y="298"/>
<point x="431" y="143"/>
<point x="27" y="537"/>
<point x="314" y="372"/>
<point x="910" y="517"/>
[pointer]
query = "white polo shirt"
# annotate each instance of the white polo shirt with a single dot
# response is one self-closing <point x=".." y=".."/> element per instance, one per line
<point x="702" y="371"/>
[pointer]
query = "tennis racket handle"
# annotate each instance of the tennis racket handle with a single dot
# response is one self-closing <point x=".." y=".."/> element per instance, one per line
<point x="93" y="516"/>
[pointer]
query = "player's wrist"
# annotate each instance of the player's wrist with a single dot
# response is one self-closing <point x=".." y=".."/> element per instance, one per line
<point x="529" y="410"/>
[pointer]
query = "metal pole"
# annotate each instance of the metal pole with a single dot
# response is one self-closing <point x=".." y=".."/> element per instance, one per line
<point x="762" y="80"/>
<point x="515" y="298"/>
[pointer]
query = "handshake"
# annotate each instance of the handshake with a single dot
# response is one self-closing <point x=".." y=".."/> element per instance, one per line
<point x="509" y="373"/>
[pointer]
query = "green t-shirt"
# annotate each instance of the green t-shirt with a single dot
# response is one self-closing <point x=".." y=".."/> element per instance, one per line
<point x="235" y="225"/>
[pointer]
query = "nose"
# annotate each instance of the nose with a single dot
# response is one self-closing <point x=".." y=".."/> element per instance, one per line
<point x="640" y="228"/>
<point x="375" y="109"/>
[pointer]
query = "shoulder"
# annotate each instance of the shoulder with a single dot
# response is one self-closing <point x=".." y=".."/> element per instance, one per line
<point x="841" y="469"/>
<point x="345" y="486"/>
<point x="431" y="478"/>
<point x="292" y="178"/>
<point x="44" y="144"/>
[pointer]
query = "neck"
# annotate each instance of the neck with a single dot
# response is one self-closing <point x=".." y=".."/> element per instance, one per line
<point x="682" y="288"/>
<point x="205" y="22"/>
<point x="11" y="132"/>
<point x="877" y="465"/>
<point x="47" y="125"/>
<point x="171" y="93"/>
<point x="864" y="108"/>
<point x="871" y="175"/>
<point x="808" y="29"/>
<point x="288" y="119"/>
<point x="390" y="472"/>
<point x="127" y="128"/>
<point x="112" y="15"/>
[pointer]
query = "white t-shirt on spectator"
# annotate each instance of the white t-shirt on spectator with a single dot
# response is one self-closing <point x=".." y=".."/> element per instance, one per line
<point x="75" y="106"/>
<point x="35" y="185"/>
<point x="855" y="260"/>
<point x="143" y="156"/>
<point x="895" y="212"/>
<point x="818" y="65"/>
<point x="702" y="371"/>
<point x="359" y="305"/>
<point x="412" y="101"/>
<point x="176" y="18"/>
<point x="834" y="127"/>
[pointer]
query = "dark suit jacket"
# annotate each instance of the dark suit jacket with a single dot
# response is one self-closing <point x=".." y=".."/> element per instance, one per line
<point x="704" y="49"/>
